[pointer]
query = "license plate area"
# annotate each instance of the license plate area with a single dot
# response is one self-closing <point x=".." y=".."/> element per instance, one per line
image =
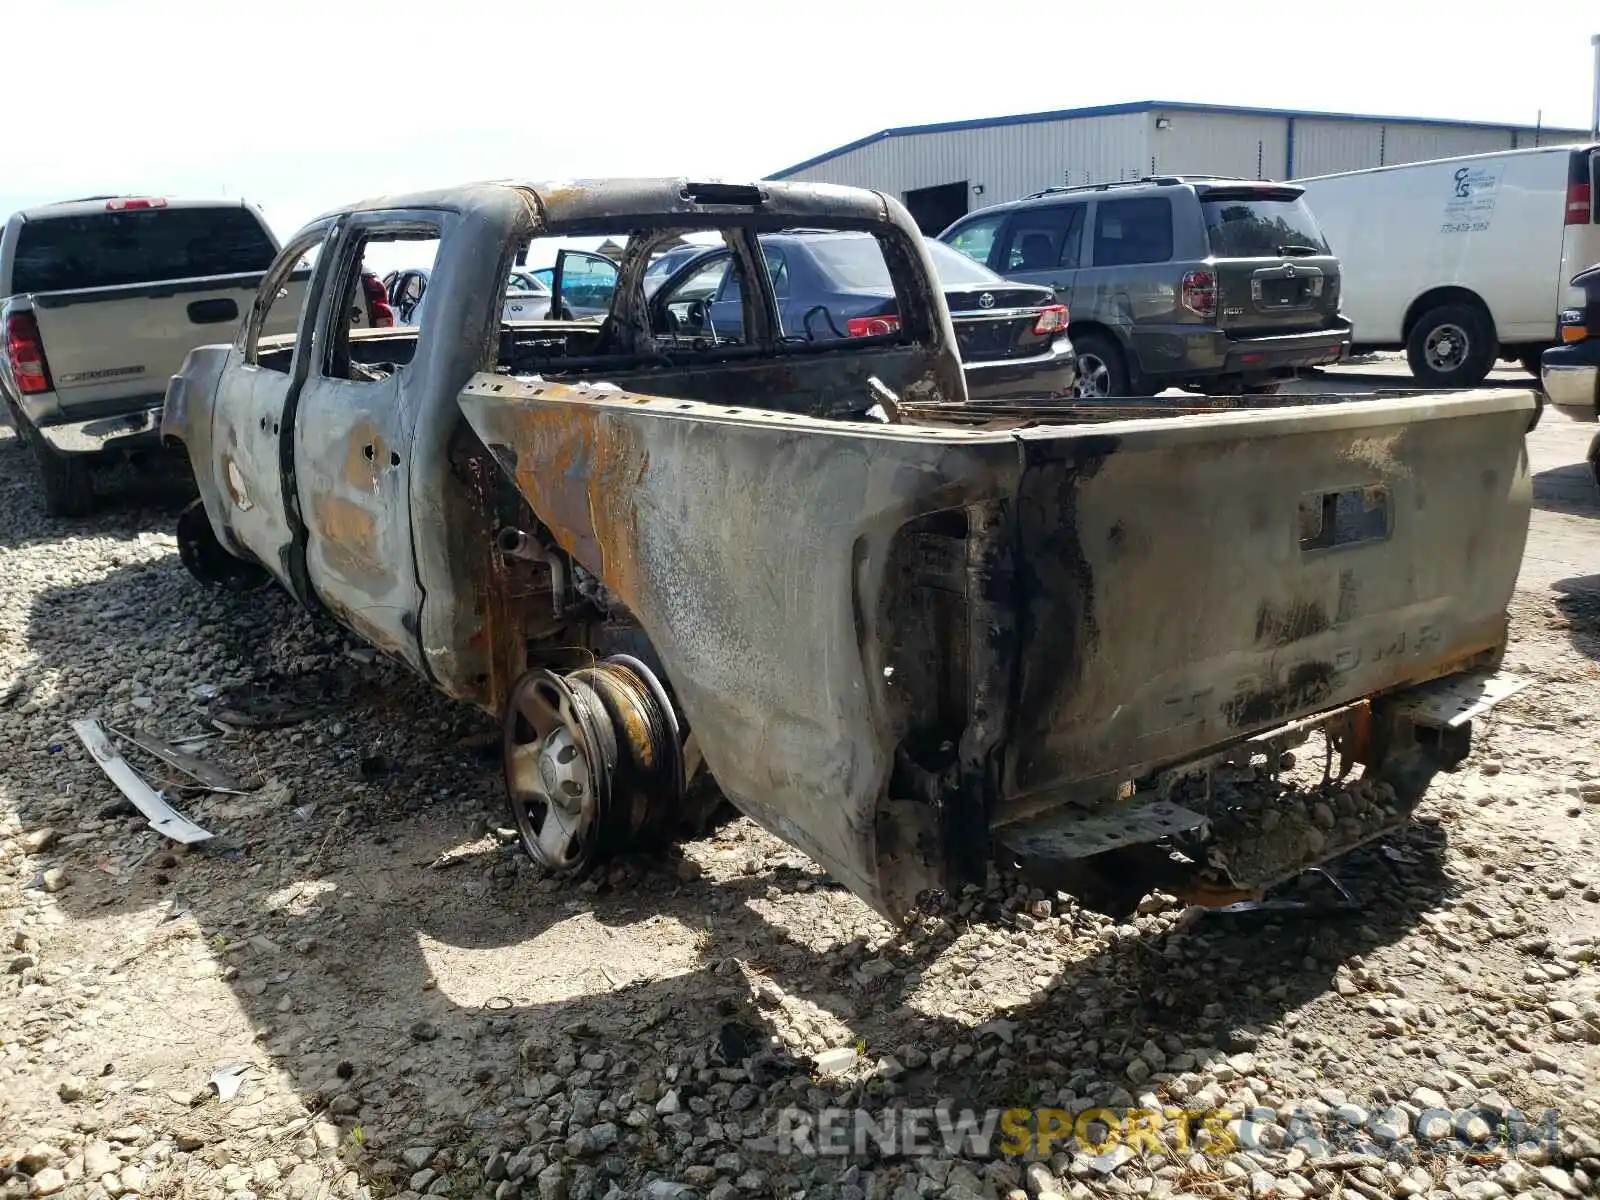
<point x="1282" y="293"/>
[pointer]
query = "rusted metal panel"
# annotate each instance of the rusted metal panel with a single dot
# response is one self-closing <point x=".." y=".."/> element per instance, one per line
<point x="750" y="547"/>
<point x="1253" y="628"/>
<point x="1142" y="569"/>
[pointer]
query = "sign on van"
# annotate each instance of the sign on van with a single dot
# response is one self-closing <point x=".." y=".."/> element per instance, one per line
<point x="1471" y="203"/>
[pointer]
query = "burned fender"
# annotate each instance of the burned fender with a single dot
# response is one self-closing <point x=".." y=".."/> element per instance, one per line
<point x="773" y="560"/>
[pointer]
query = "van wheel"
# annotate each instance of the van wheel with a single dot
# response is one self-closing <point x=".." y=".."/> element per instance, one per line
<point x="68" y="483"/>
<point x="1452" y="346"/>
<point x="1101" y="371"/>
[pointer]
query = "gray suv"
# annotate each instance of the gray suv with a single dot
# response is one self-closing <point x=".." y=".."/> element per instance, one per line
<point x="1223" y="286"/>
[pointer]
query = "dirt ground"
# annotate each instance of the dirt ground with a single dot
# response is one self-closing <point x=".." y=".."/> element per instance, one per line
<point x="415" y="1010"/>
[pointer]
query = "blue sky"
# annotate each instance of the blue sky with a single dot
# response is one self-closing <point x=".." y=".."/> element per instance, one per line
<point x="302" y="105"/>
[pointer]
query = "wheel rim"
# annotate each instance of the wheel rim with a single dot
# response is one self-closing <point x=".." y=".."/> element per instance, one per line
<point x="593" y="762"/>
<point x="1445" y="347"/>
<point x="555" y="772"/>
<point x="1094" y="376"/>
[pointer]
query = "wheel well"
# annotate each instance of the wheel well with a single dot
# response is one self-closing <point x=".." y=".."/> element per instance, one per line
<point x="1435" y="299"/>
<point x="1079" y="328"/>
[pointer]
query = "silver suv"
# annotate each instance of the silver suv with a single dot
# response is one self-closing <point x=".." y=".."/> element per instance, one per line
<point x="1215" y="285"/>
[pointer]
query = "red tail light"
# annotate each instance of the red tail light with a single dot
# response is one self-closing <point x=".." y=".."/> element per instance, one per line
<point x="1052" y="319"/>
<point x="1199" y="293"/>
<point x="126" y="202"/>
<point x="377" y="302"/>
<point x="872" y="326"/>
<point x="26" y="352"/>
<point x="1578" y="203"/>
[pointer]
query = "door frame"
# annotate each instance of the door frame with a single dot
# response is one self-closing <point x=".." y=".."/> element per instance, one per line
<point x="346" y="257"/>
<point x="325" y="235"/>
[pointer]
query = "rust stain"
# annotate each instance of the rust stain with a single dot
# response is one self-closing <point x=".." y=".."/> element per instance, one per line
<point x="364" y="454"/>
<point x="348" y="537"/>
<point x="1206" y="894"/>
<point x="580" y="472"/>
<point x="639" y="739"/>
<point x="1360" y="739"/>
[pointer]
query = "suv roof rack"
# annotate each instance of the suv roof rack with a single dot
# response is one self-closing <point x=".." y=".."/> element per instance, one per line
<point x="1142" y="181"/>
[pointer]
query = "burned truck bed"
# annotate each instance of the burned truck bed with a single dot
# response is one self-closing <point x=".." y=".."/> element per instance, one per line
<point x="894" y="641"/>
<point x="906" y="633"/>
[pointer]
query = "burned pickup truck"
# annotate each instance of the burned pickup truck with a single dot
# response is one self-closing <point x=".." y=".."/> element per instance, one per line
<point x="685" y="561"/>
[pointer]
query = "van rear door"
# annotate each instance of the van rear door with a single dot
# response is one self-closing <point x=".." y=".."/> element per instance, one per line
<point x="121" y="295"/>
<point x="1274" y="270"/>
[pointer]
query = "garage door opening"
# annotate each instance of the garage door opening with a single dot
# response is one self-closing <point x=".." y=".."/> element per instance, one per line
<point x="934" y="208"/>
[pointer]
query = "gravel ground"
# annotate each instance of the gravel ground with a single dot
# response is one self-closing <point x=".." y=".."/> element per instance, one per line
<point x="407" y="1007"/>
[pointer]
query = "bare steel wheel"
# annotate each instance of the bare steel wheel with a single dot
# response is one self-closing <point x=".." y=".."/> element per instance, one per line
<point x="557" y="776"/>
<point x="593" y="763"/>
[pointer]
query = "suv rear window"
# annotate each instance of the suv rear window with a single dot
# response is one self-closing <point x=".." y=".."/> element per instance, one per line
<point x="147" y="245"/>
<point x="1253" y="226"/>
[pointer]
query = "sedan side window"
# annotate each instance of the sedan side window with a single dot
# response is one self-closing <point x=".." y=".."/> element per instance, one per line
<point x="687" y="308"/>
<point x="411" y="289"/>
<point x="778" y="269"/>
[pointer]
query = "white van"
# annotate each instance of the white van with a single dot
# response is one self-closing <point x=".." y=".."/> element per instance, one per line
<point x="1462" y="260"/>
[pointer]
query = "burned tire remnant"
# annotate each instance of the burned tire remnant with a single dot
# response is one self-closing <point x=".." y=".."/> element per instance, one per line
<point x="593" y="763"/>
<point x="207" y="559"/>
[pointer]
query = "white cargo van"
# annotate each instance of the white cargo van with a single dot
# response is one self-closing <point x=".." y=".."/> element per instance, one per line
<point x="1462" y="260"/>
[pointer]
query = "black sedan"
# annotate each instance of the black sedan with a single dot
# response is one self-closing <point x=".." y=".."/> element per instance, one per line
<point x="1012" y="337"/>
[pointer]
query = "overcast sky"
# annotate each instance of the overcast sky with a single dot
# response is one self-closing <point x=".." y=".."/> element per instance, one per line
<point x="303" y="105"/>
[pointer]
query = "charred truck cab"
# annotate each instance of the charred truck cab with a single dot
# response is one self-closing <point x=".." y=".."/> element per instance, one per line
<point x="904" y="633"/>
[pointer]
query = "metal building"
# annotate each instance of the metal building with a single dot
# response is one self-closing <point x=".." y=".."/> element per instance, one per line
<point x="942" y="171"/>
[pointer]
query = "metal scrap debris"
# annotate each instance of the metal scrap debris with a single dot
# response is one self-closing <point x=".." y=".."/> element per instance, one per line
<point x="225" y="1081"/>
<point x="209" y="775"/>
<point x="1346" y="902"/>
<point x="163" y="818"/>
<point x="288" y="700"/>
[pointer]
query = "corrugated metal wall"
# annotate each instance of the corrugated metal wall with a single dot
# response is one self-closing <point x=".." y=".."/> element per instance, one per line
<point x="1323" y="147"/>
<point x="1328" y="147"/>
<point x="1527" y="139"/>
<point x="1195" y="143"/>
<point x="1007" y="160"/>
<point x="1419" y="143"/>
<point x="1013" y="160"/>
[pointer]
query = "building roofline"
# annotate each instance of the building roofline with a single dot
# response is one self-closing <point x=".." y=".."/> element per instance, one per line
<point x="1146" y="106"/>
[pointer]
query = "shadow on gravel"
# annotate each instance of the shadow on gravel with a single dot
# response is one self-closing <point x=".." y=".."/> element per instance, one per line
<point x="130" y="499"/>
<point x="344" y="997"/>
<point x="1568" y="489"/>
<point x="1578" y="598"/>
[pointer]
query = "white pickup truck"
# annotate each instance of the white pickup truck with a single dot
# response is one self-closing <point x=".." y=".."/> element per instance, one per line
<point x="102" y="299"/>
